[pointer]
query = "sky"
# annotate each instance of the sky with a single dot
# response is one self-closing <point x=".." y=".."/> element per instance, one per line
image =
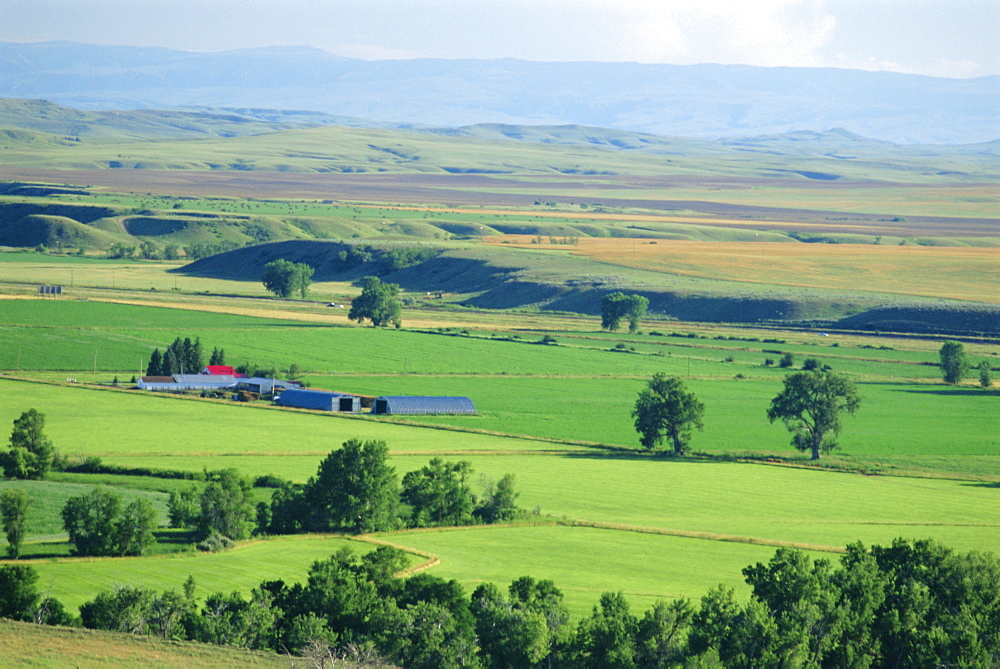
<point x="946" y="38"/>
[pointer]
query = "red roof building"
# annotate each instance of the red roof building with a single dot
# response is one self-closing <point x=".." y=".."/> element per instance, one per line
<point x="219" y="370"/>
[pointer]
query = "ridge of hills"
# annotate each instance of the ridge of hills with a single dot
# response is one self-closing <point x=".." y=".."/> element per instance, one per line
<point x="681" y="100"/>
<point x="41" y="134"/>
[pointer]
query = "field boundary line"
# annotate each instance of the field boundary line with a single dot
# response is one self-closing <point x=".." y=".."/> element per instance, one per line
<point x="709" y="536"/>
<point x="430" y="561"/>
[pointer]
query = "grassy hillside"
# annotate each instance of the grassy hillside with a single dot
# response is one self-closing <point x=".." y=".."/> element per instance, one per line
<point x="29" y="645"/>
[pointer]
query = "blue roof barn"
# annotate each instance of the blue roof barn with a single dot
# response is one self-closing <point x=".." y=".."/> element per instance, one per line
<point x="422" y="405"/>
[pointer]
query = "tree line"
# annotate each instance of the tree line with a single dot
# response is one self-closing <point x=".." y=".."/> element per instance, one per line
<point x="914" y="603"/>
<point x="182" y="356"/>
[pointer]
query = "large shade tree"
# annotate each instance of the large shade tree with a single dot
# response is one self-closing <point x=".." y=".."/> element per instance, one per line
<point x="283" y="277"/>
<point x="355" y="489"/>
<point x="666" y="409"/>
<point x="616" y="307"/>
<point x="378" y="302"/>
<point x="811" y="405"/>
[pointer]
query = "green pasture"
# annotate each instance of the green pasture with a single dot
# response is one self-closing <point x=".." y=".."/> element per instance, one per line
<point x="895" y="419"/>
<point x="137" y="425"/>
<point x="47" y="498"/>
<point x="66" y="334"/>
<point x="583" y="562"/>
<point x="760" y="502"/>
<point x="241" y="568"/>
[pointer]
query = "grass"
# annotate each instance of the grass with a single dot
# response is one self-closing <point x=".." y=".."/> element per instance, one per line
<point x="931" y="271"/>
<point x="583" y="562"/>
<point x="47" y="498"/>
<point x="74" y="581"/>
<point x="30" y="645"/>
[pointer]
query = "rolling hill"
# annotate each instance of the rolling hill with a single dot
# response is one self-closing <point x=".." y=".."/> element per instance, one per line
<point x="689" y="100"/>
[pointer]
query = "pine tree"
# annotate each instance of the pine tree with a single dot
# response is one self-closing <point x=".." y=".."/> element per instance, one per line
<point x="155" y="367"/>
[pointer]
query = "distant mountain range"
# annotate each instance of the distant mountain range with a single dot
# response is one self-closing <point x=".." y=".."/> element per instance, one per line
<point x="675" y="100"/>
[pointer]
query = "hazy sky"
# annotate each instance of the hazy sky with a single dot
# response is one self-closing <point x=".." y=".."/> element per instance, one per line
<point x="953" y="38"/>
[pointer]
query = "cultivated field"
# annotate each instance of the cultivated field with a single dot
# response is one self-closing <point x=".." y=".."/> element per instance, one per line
<point x="556" y="416"/>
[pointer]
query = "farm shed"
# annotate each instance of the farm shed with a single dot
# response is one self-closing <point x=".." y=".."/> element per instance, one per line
<point x="204" y="381"/>
<point x="319" y="399"/>
<point x="263" y="386"/>
<point x="422" y="405"/>
<point x="154" y="382"/>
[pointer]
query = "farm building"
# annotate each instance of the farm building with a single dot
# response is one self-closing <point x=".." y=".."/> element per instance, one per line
<point x="263" y="386"/>
<point x="219" y="370"/>
<point x="319" y="399"/>
<point x="181" y="382"/>
<point x="154" y="382"/>
<point x="422" y="405"/>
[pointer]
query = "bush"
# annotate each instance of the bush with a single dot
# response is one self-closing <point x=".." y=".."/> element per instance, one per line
<point x="787" y="360"/>
<point x="215" y="542"/>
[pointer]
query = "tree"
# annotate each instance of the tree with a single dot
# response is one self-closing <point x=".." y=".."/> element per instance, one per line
<point x="985" y="380"/>
<point x="218" y="357"/>
<point x="499" y="502"/>
<point x="355" y="489"/>
<point x="439" y="494"/>
<point x="14" y="515"/>
<point x="618" y="306"/>
<point x="283" y="277"/>
<point x="811" y="404"/>
<point x="953" y="363"/>
<point x="665" y="408"/>
<point x="31" y="452"/>
<point x="607" y="638"/>
<point x="378" y="302"/>
<point x="184" y="507"/>
<point x="227" y="507"/>
<point x="98" y="524"/>
<point x="155" y="366"/>
<point x="18" y="594"/>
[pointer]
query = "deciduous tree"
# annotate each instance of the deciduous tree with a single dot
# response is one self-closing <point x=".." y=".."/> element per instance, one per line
<point x="811" y="405"/>
<point x="439" y="494"/>
<point x="665" y="408"/>
<point x="283" y="277"/>
<point x="616" y="307"/>
<point x="985" y="378"/>
<point x="953" y="362"/>
<point x="31" y="451"/>
<point x="355" y="489"/>
<point x="378" y="302"/>
<point x="227" y="507"/>
<point x="14" y="514"/>
<point x="98" y="524"/>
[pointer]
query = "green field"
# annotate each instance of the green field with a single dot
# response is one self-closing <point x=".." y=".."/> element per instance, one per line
<point x="555" y="416"/>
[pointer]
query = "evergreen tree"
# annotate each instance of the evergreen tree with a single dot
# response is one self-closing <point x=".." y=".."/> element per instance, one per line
<point x="155" y="366"/>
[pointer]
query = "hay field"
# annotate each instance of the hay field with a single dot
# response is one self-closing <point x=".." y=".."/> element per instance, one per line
<point x="948" y="272"/>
